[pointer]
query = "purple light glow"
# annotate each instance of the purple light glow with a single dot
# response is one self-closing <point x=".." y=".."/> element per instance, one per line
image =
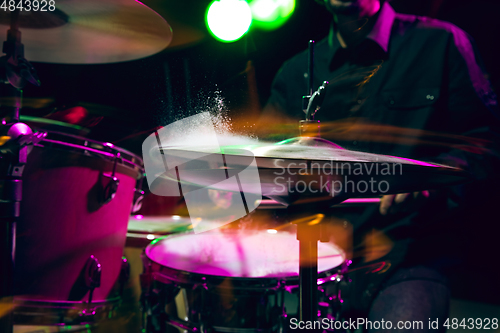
<point x="418" y="162"/>
<point x="378" y="269"/>
<point x="362" y="200"/>
<point x="139" y="217"/>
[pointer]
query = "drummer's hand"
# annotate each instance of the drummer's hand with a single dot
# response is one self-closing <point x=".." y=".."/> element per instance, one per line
<point x="403" y="202"/>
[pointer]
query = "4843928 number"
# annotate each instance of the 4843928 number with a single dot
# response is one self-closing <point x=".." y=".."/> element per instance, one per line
<point x="28" y="5"/>
<point x="472" y="324"/>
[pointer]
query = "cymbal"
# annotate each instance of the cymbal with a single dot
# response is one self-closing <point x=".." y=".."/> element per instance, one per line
<point x="186" y="26"/>
<point x="27" y="102"/>
<point x="307" y="169"/>
<point x="90" y="32"/>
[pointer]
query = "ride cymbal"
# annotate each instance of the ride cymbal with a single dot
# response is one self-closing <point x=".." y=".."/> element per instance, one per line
<point x="90" y="31"/>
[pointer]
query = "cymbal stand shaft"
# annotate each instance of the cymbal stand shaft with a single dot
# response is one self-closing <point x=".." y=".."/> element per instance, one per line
<point x="310" y="230"/>
<point x="310" y="76"/>
<point x="7" y="234"/>
<point x="308" y="271"/>
<point x="9" y="213"/>
<point x="310" y="68"/>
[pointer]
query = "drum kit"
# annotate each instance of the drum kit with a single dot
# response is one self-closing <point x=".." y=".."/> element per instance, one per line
<point x="67" y="202"/>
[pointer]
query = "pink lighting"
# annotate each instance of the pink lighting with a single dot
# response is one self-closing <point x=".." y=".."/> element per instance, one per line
<point x="418" y="162"/>
<point x="362" y="200"/>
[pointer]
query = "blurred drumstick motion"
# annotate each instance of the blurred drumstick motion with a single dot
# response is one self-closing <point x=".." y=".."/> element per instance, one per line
<point x="367" y="131"/>
<point x="276" y="126"/>
<point x="375" y="245"/>
<point x="310" y="220"/>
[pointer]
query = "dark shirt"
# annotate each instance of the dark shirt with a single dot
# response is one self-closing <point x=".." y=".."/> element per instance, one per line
<point x="416" y="74"/>
<point x="410" y="72"/>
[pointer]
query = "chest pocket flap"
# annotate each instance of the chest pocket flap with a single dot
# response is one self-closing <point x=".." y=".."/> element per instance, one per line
<point x="410" y="98"/>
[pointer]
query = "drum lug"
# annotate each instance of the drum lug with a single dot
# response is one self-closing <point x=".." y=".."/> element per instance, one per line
<point x="138" y="195"/>
<point x="137" y="203"/>
<point x="111" y="187"/>
<point x="92" y="275"/>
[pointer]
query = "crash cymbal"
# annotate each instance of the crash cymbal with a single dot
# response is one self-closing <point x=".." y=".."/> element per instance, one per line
<point x="27" y="102"/>
<point x="304" y="169"/>
<point x="90" y="31"/>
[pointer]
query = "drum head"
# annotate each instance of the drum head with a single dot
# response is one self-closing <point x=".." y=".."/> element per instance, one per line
<point x="245" y="254"/>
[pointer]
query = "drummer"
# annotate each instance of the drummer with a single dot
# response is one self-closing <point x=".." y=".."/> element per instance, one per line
<point x="388" y="71"/>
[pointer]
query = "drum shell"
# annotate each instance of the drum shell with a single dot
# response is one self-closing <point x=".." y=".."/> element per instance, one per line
<point x="63" y="222"/>
<point x="225" y="303"/>
<point x="137" y="240"/>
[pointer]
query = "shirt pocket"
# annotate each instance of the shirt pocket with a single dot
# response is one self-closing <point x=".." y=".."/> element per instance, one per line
<point x="407" y="99"/>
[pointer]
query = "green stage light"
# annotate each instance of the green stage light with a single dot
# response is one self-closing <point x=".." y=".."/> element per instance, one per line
<point x="228" y="20"/>
<point x="271" y="14"/>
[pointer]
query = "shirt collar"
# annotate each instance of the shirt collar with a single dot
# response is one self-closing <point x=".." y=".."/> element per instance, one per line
<point x="380" y="33"/>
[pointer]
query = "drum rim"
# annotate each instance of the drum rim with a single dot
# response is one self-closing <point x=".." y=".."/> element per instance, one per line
<point x="182" y="277"/>
<point x="30" y="311"/>
<point x="87" y="147"/>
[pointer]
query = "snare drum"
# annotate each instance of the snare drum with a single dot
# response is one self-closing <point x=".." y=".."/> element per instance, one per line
<point x="142" y="230"/>
<point x="231" y="281"/>
<point x="77" y="198"/>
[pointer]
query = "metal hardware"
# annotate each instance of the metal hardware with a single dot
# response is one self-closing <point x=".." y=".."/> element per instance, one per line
<point x="111" y="187"/>
<point x="92" y="275"/>
<point x="138" y="196"/>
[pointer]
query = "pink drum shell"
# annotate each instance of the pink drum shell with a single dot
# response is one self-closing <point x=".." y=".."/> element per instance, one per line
<point x="62" y="222"/>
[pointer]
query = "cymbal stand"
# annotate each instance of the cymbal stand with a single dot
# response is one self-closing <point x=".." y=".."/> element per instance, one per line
<point x="15" y="145"/>
<point x="308" y="235"/>
<point x="310" y="230"/>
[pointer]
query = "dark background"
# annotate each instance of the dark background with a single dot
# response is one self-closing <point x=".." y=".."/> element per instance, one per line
<point x="136" y="96"/>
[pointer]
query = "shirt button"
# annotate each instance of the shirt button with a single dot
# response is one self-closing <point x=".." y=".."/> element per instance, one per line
<point x="355" y="143"/>
<point x="360" y="101"/>
<point x="392" y="102"/>
<point x="430" y="97"/>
